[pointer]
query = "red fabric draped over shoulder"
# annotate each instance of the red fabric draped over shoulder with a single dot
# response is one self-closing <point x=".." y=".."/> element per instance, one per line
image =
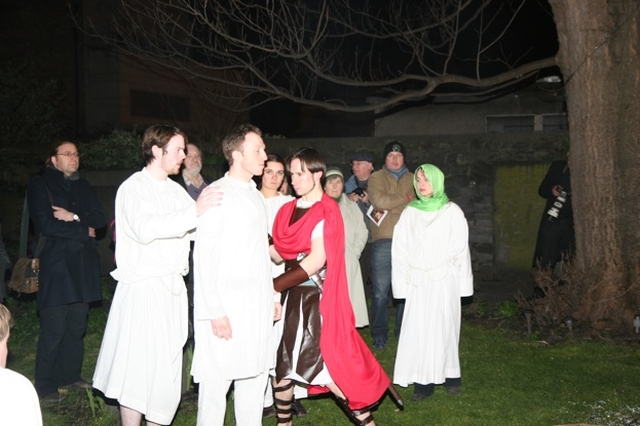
<point x="349" y="360"/>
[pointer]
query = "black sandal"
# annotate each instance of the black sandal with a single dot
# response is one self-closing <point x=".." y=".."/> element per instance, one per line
<point x="283" y="407"/>
<point x="353" y="414"/>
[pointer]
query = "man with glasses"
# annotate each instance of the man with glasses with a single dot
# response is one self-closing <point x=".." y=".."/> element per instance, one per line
<point x="66" y="213"/>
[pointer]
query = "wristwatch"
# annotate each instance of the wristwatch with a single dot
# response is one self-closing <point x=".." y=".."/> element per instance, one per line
<point x="76" y="218"/>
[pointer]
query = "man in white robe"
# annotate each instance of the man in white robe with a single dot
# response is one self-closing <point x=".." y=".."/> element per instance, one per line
<point x="233" y="291"/>
<point x="140" y="359"/>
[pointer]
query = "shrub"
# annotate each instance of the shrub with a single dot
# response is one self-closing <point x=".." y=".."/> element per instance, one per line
<point x="118" y="150"/>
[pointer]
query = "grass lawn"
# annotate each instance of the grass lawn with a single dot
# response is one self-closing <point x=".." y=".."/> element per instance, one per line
<point x="509" y="378"/>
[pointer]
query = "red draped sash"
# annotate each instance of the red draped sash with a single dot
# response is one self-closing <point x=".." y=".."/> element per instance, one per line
<point x="347" y="357"/>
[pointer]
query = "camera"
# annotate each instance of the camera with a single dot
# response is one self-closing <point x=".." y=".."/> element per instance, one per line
<point x="554" y="211"/>
<point x="359" y="192"/>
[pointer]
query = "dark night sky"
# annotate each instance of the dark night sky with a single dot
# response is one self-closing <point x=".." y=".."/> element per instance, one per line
<point x="532" y="36"/>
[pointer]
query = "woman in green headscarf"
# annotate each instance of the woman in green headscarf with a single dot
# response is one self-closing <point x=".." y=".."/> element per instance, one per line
<point x="431" y="269"/>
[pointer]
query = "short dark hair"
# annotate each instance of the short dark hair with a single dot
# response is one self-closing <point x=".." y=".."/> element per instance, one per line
<point x="158" y="135"/>
<point x="310" y="159"/>
<point x="234" y="139"/>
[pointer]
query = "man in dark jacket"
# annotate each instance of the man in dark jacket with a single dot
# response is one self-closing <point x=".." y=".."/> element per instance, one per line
<point x="66" y="214"/>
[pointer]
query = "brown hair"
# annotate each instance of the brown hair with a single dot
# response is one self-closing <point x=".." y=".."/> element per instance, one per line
<point x="158" y="135"/>
<point x="310" y="159"/>
<point x="234" y="139"/>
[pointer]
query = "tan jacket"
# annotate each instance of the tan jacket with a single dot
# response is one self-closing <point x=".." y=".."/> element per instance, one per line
<point x="385" y="192"/>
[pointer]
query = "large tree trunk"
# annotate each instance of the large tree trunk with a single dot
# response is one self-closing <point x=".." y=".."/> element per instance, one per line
<point x="598" y="55"/>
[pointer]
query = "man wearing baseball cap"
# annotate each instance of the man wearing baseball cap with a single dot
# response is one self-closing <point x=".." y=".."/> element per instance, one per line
<point x="390" y="189"/>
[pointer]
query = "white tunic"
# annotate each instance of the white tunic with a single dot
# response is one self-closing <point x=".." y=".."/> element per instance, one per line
<point x="19" y="405"/>
<point x="356" y="234"/>
<point x="431" y="269"/>
<point x="233" y="278"/>
<point x="140" y="359"/>
<point x="273" y="204"/>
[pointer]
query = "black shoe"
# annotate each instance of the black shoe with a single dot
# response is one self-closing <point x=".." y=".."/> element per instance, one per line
<point x="298" y="409"/>
<point x="419" y="396"/>
<point x="453" y="390"/>
<point x="53" y="397"/>
<point x="421" y="391"/>
<point x="379" y="343"/>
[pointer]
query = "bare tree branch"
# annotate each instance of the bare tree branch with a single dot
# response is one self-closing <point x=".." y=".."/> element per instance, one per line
<point x="324" y="53"/>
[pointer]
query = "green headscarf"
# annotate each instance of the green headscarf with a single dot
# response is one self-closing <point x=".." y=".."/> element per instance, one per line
<point x="436" y="178"/>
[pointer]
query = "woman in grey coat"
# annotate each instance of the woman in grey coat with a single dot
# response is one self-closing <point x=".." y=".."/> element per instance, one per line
<point x="356" y="235"/>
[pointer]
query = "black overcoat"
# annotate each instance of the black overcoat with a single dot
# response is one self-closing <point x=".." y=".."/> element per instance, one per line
<point x="69" y="261"/>
<point x="556" y="238"/>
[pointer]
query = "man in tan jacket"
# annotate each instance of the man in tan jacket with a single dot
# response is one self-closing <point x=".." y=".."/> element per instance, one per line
<point x="390" y="190"/>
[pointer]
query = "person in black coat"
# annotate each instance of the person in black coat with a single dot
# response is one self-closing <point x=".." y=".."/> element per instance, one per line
<point x="556" y="236"/>
<point x="66" y="214"/>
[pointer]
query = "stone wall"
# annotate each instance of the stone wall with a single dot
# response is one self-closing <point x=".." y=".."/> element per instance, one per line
<point x="502" y="226"/>
<point x="493" y="177"/>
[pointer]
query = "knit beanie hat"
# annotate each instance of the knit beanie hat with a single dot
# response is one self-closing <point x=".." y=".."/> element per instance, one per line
<point x="393" y="146"/>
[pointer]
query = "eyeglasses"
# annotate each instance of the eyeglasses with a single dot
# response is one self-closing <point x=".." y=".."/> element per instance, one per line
<point x="70" y="154"/>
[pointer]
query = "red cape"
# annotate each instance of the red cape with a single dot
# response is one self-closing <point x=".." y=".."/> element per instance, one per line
<point x="350" y="362"/>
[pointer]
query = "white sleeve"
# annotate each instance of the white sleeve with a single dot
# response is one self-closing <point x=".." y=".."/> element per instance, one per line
<point x="400" y="255"/>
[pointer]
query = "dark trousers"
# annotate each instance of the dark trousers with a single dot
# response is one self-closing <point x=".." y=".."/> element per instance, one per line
<point x="60" y="346"/>
<point x="365" y="268"/>
<point x="555" y="240"/>
<point x="429" y="388"/>
<point x="381" y="287"/>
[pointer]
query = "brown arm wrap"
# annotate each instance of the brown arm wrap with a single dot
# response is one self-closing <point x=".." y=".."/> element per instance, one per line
<point x="290" y="278"/>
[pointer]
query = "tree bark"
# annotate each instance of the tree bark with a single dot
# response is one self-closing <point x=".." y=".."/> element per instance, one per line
<point x="598" y="56"/>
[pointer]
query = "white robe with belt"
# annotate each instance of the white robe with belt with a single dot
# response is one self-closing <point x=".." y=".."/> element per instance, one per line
<point x="140" y="360"/>
<point x="431" y="269"/>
